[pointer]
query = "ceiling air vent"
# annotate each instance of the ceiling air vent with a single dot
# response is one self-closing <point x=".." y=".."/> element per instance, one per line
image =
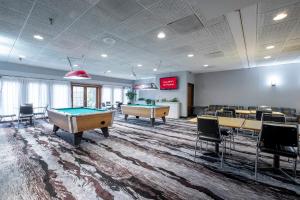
<point x="187" y="24"/>
<point x="215" y="54"/>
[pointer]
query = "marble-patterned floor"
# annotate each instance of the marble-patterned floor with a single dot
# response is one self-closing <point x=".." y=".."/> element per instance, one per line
<point x="137" y="161"/>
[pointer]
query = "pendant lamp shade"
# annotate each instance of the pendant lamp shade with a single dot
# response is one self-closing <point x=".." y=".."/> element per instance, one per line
<point x="77" y="74"/>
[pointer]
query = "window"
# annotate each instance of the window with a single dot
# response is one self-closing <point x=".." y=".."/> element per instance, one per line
<point x="10" y="97"/>
<point x="38" y="94"/>
<point x="118" y="95"/>
<point x="106" y="94"/>
<point x="60" y="95"/>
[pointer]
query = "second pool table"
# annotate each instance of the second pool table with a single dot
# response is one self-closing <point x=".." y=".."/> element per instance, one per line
<point x="148" y="111"/>
<point x="78" y="120"/>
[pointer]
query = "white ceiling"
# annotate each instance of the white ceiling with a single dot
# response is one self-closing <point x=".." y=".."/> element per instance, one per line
<point x="225" y="34"/>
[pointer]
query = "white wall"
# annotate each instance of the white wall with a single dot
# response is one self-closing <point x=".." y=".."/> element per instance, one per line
<point x="181" y="93"/>
<point x="250" y="87"/>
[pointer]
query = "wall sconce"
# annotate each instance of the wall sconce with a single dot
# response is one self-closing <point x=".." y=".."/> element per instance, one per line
<point x="273" y="83"/>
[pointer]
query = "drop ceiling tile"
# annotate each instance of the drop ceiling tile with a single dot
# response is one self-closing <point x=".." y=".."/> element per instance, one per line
<point x="139" y="24"/>
<point x="147" y="3"/>
<point x="119" y="9"/>
<point x="21" y="6"/>
<point x="171" y="10"/>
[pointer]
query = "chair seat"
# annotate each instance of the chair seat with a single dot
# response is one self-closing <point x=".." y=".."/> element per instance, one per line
<point x="39" y="113"/>
<point x="3" y="116"/>
<point x="26" y="116"/>
<point x="285" y="151"/>
<point x="225" y="132"/>
<point x="209" y="139"/>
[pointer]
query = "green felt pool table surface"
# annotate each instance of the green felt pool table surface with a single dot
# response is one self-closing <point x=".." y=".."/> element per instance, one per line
<point x="80" y="111"/>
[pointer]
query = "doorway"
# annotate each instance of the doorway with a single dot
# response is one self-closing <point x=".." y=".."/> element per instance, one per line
<point x="190" y="98"/>
<point x="84" y="95"/>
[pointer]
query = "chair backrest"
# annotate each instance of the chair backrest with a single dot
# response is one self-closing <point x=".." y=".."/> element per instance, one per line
<point x="275" y="135"/>
<point x="108" y="103"/>
<point x="103" y="105"/>
<point x="208" y="127"/>
<point x="252" y="107"/>
<point x="224" y="113"/>
<point x="259" y="114"/>
<point x="230" y="109"/>
<point x="269" y="117"/>
<point x="26" y="109"/>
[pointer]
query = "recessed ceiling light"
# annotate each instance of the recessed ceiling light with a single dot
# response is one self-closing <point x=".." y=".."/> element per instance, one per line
<point x="108" y="40"/>
<point x="108" y="71"/>
<point x="190" y="55"/>
<point x="139" y="65"/>
<point x="280" y="16"/>
<point x="154" y="69"/>
<point x="22" y="56"/>
<point x="267" y="57"/>
<point x="104" y="55"/>
<point x="270" y="47"/>
<point x="75" y="65"/>
<point x="38" y="37"/>
<point x="205" y="65"/>
<point x="161" y="35"/>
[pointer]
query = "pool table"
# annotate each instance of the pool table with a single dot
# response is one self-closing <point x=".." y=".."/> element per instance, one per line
<point x="78" y="120"/>
<point x="148" y="111"/>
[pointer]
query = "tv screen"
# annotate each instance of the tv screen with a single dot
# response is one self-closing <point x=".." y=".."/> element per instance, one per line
<point x="168" y="83"/>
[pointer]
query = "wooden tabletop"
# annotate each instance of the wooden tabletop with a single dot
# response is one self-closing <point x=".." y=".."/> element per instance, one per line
<point x="253" y="125"/>
<point x="224" y="121"/>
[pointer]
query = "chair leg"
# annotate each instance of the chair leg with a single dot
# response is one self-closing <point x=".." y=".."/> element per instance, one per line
<point x="222" y="157"/>
<point x="295" y="169"/>
<point x="196" y="149"/>
<point x="256" y="163"/>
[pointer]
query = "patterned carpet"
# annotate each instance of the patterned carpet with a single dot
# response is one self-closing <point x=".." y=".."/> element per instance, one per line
<point x="135" y="162"/>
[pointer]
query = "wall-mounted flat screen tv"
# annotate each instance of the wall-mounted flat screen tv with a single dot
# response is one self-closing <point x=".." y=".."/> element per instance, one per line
<point x="168" y="83"/>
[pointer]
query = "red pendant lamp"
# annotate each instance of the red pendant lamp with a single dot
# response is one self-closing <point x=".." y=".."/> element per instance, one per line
<point x="76" y="74"/>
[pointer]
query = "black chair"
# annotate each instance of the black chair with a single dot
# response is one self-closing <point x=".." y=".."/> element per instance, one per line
<point x="26" y="113"/>
<point x="259" y="114"/>
<point x="279" y="140"/>
<point x="269" y="117"/>
<point x="224" y="113"/>
<point x="230" y="109"/>
<point x="208" y="130"/>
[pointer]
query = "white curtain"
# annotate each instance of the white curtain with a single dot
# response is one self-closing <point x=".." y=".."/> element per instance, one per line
<point x="60" y="95"/>
<point x="118" y="94"/>
<point x="106" y="94"/>
<point x="38" y="93"/>
<point x="10" y="96"/>
<point x="125" y="98"/>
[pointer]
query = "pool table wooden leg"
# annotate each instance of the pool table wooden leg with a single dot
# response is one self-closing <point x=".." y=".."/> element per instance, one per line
<point x="105" y="131"/>
<point x="126" y="117"/>
<point x="164" y="119"/>
<point x="77" y="138"/>
<point x="55" y="128"/>
<point x="152" y="120"/>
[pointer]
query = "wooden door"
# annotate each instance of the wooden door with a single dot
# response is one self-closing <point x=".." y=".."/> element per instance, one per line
<point x="190" y="98"/>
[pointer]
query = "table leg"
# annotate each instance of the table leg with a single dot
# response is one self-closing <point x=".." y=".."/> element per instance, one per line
<point x="55" y="128"/>
<point x="164" y="119"/>
<point x="105" y="131"/>
<point x="217" y="147"/>
<point x="137" y="117"/>
<point x="152" y="120"/>
<point x="276" y="161"/>
<point x="126" y="117"/>
<point x="77" y="138"/>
